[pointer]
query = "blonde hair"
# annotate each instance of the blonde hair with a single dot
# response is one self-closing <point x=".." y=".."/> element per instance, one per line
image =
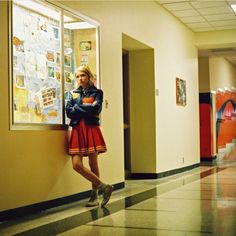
<point x="87" y="71"/>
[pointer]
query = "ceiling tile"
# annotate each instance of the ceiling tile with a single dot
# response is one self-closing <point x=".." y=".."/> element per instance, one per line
<point x="206" y="4"/>
<point x="170" y="1"/>
<point x="225" y="27"/>
<point x="199" y="25"/>
<point x="205" y="15"/>
<point x="220" y="17"/>
<point x="231" y="1"/>
<point x="224" y="23"/>
<point x="186" y="13"/>
<point x="203" y="12"/>
<point x="215" y="10"/>
<point x="178" y="6"/>
<point x="192" y="19"/>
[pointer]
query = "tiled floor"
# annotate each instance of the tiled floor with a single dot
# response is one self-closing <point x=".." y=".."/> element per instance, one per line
<point x="198" y="202"/>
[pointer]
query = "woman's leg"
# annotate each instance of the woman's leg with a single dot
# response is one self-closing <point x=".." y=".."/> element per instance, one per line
<point x="93" y="164"/>
<point x="105" y="188"/>
<point x="77" y="162"/>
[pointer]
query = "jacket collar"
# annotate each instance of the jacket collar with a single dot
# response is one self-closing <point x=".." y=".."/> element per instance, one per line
<point x="92" y="88"/>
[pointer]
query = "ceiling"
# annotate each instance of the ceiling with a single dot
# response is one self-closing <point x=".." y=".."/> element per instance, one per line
<point x="203" y="15"/>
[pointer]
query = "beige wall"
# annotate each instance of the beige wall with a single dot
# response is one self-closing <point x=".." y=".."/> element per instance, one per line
<point x="142" y="111"/>
<point x="215" y="72"/>
<point x="34" y="165"/>
<point x="203" y="74"/>
<point x="216" y="39"/>
<point x="222" y="73"/>
<point x="86" y="35"/>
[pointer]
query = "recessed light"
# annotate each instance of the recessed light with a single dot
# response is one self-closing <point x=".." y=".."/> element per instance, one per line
<point x="233" y="7"/>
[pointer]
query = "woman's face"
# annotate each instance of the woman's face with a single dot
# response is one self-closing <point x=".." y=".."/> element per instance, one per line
<point x="82" y="79"/>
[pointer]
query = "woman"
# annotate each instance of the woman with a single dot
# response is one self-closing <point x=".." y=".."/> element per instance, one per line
<point x="83" y="107"/>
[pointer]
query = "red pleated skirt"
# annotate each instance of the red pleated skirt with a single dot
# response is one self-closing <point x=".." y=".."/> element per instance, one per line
<point x="86" y="139"/>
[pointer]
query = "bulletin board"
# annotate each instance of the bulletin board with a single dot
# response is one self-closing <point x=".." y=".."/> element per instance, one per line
<point x="36" y="85"/>
<point x="42" y="67"/>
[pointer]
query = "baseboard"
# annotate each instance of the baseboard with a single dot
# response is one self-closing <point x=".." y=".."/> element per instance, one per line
<point x="20" y="212"/>
<point x="209" y="158"/>
<point x="162" y="174"/>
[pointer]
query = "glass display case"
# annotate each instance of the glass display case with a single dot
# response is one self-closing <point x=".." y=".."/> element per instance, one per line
<point x="48" y="44"/>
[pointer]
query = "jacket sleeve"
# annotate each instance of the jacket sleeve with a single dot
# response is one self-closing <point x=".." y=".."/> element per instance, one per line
<point x="88" y="110"/>
<point x="70" y="106"/>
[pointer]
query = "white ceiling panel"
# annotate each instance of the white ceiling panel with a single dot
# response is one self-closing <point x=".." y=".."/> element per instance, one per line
<point x="225" y="27"/>
<point x="220" y="17"/>
<point x="214" y="10"/>
<point x="178" y="6"/>
<point x="204" y="15"/>
<point x="224" y="23"/>
<point x="171" y="1"/>
<point x="192" y="19"/>
<point x="207" y="4"/>
<point x="185" y="13"/>
<point x="217" y="11"/>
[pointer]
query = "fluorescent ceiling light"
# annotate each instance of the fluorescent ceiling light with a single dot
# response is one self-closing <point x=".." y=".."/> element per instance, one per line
<point x="226" y="88"/>
<point x="220" y="90"/>
<point x="40" y="8"/>
<point x="233" y="7"/>
<point x="78" y="25"/>
<point x="233" y="88"/>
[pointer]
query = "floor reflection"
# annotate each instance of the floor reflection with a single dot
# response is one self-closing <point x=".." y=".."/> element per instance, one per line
<point x="199" y="202"/>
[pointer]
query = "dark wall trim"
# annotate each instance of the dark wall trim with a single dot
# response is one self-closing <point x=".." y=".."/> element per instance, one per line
<point x="210" y="158"/>
<point x="20" y="212"/>
<point x="162" y="174"/>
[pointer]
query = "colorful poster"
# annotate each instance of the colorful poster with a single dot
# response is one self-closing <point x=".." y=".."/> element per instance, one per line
<point x="226" y="118"/>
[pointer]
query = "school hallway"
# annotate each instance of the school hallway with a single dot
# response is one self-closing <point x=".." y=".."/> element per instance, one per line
<point x="201" y="201"/>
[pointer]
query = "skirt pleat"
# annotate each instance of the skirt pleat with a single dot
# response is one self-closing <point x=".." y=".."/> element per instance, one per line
<point x="86" y="139"/>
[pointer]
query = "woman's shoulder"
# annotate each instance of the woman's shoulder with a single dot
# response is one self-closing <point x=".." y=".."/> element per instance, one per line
<point x="95" y="89"/>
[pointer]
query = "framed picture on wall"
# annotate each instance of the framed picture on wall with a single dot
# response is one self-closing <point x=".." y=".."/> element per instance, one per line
<point x="180" y="92"/>
<point x="85" y="45"/>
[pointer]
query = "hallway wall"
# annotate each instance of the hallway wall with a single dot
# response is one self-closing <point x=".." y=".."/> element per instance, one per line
<point x="34" y="164"/>
<point x="142" y="111"/>
<point x="222" y="73"/>
<point x="203" y="74"/>
<point x="175" y="55"/>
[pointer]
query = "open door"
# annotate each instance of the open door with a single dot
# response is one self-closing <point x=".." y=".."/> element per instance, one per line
<point x="126" y="115"/>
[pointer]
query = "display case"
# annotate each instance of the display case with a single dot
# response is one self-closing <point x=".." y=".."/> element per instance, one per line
<point x="48" y="43"/>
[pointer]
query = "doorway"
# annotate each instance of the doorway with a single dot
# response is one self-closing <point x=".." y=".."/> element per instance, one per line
<point x="126" y="113"/>
<point x="139" y="108"/>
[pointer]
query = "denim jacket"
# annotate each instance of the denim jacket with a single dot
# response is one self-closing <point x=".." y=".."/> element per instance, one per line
<point x="84" y="105"/>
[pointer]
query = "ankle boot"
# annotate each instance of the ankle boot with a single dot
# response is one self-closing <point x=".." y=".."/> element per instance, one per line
<point x="93" y="201"/>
